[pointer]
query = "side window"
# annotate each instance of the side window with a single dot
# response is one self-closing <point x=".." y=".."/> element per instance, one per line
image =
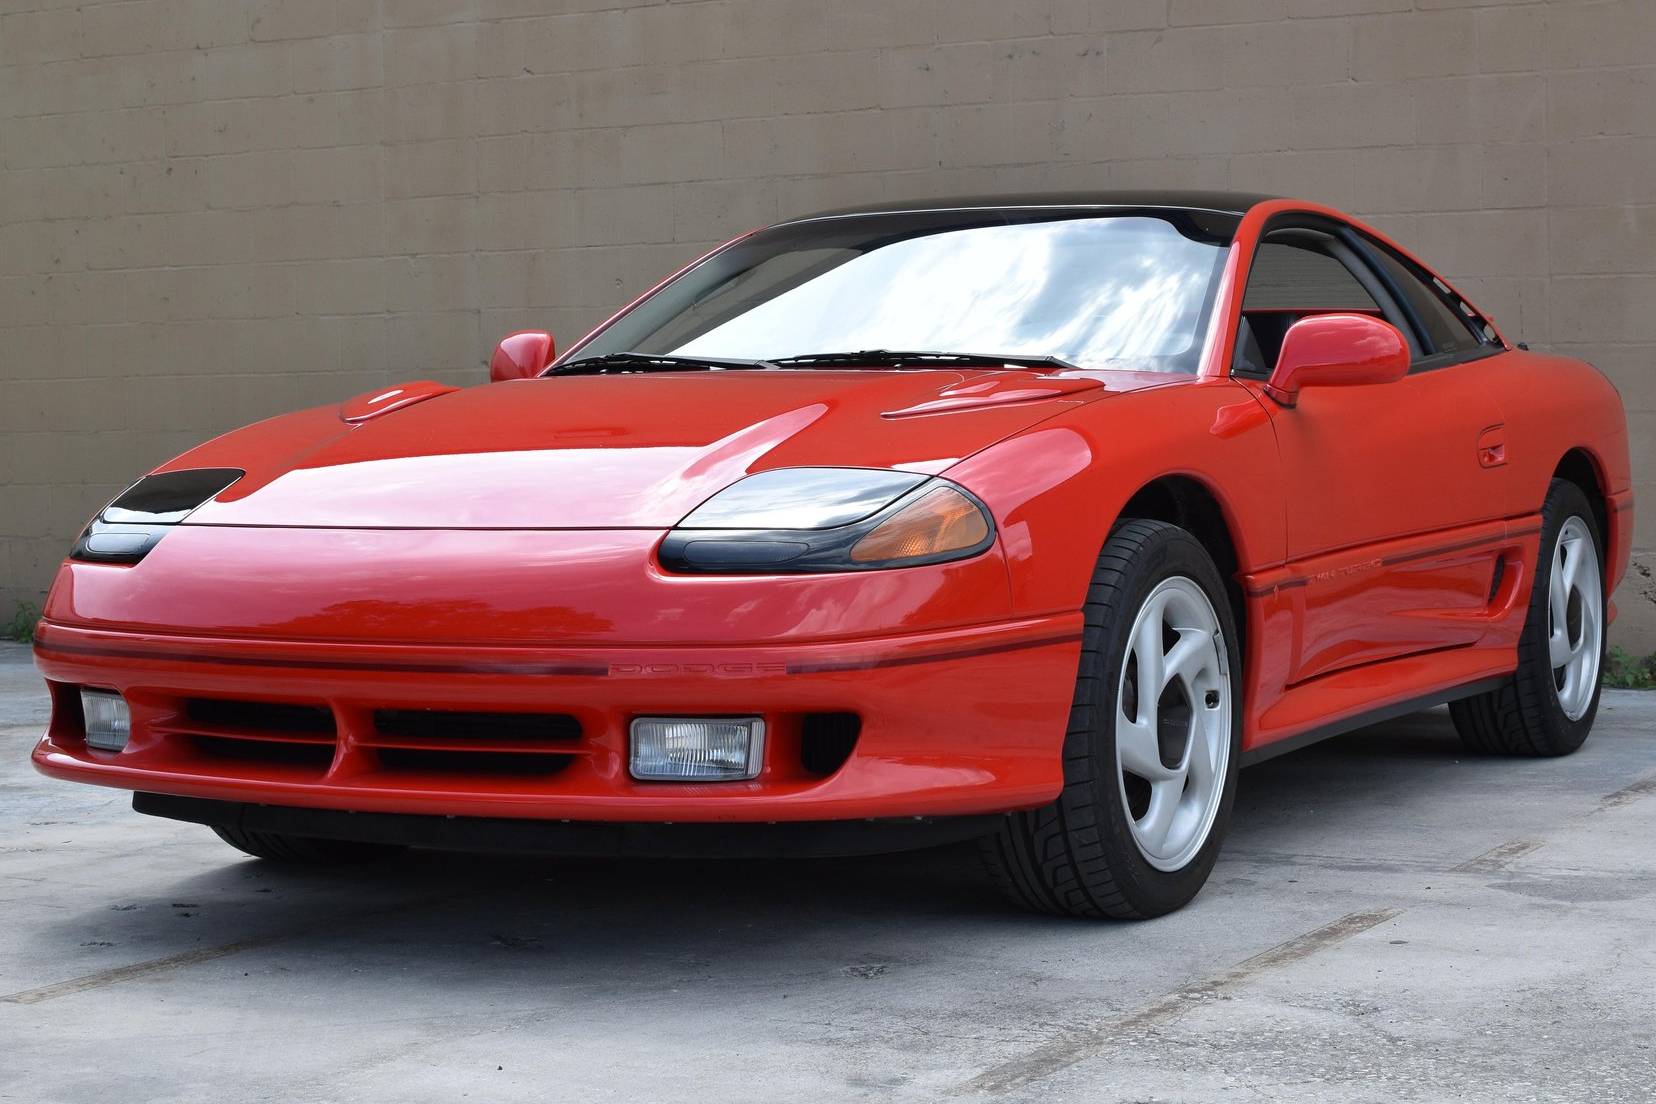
<point x="1293" y="278"/>
<point x="1295" y="272"/>
<point x="1449" y="330"/>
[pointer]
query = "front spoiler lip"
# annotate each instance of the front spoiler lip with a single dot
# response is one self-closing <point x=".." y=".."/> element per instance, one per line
<point x="928" y="694"/>
<point x="615" y="839"/>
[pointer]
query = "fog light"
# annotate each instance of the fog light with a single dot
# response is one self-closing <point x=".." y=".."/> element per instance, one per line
<point x="108" y="721"/>
<point x="697" y="749"/>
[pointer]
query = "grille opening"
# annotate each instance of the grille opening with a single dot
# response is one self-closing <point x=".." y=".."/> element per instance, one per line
<point x="437" y="724"/>
<point x="284" y="752"/>
<point x="471" y="762"/>
<point x="273" y="717"/>
<point x="1499" y="577"/>
<point x="826" y="741"/>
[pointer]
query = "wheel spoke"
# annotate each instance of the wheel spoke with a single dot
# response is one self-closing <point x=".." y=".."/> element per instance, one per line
<point x="1204" y="751"/>
<point x="1558" y="595"/>
<point x="1136" y="745"/>
<point x="1570" y="575"/>
<point x="1147" y="648"/>
<point x="1559" y="650"/>
<point x="1590" y="614"/>
<point x="1164" y="802"/>
<point x="1558" y="606"/>
<point x="1186" y="659"/>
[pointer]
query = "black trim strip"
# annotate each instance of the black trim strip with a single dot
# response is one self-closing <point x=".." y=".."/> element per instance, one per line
<point x="525" y="668"/>
<point x="474" y="668"/>
<point x="1447" y="549"/>
<point x="1439" y="361"/>
<point x="1368" y="717"/>
<point x="929" y="657"/>
<point x="1403" y="557"/>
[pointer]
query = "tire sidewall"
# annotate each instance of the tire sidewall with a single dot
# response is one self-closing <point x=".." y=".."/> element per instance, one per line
<point x="1171" y="552"/>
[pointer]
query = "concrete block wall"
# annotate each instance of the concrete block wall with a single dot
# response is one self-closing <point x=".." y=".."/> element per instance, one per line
<point x="215" y="210"/>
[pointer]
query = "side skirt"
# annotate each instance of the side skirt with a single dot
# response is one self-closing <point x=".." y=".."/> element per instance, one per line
<point x="1368" y="717"/>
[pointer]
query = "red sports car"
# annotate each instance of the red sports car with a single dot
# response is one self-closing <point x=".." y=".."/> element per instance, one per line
<point x="1028" y="519"/>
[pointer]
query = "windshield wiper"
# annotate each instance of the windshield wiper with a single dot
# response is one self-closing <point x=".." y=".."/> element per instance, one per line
<point x="651" y="362"/>
<point x="884" y="358"/>
<point x="898" y="358"/>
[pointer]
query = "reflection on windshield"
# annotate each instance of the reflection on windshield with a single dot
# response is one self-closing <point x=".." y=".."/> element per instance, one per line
<point x="1127" y="291"/>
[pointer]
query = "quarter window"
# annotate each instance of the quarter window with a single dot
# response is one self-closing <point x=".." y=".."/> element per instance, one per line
<point x="1446" y="327"/>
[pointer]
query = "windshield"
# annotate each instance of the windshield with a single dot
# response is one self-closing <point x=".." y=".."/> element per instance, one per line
<point x="1099" y="291"/>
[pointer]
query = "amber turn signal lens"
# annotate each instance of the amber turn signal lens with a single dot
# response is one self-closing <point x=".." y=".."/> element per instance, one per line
<point x="941" y="520"/>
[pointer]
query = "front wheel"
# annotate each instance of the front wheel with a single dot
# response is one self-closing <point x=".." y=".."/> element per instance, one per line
<point x="1150" y="758"/>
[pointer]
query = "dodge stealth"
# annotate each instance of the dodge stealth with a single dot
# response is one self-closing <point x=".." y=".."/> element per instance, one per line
<point x="1028" y="520"/>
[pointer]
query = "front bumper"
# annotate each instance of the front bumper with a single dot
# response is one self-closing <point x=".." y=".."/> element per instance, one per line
<point x="952" y="722"/>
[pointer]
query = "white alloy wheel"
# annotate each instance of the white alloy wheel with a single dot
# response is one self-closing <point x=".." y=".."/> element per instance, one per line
<point x="1173" y="723"/>
<point x="1575" y="618"/>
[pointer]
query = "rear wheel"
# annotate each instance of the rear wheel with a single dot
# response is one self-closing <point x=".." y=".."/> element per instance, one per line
<point x="1548" y="704"/>
<point x="304" y="850"/>
<point x="1150" y="757"/>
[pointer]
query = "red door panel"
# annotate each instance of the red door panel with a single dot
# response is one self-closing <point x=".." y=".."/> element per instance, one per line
<point x="1386" y="490"/>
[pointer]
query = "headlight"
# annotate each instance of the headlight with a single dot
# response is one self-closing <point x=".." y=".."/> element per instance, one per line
<point x="802" y="520"/>
<point x="801" y="498"/>
<point x="126" y="529"/>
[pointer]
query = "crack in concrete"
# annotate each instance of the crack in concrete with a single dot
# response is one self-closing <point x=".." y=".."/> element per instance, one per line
<point x="1050" y="1058"/>
<point x="116" y="975"/>
<point x="1497" y="859"/>
<point x="1644" y="787"/>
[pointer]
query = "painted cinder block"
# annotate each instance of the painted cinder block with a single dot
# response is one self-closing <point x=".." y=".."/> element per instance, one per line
<point x="348" y="192"/>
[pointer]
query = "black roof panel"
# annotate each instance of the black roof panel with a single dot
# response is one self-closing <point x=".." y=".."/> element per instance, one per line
<point x="1235" y="203"/>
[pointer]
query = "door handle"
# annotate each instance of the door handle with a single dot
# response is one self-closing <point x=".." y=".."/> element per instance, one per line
<point x="1492" y="447"/>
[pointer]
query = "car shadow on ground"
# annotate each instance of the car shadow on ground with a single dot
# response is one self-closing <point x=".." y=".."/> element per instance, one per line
<point x="596" y="915"/>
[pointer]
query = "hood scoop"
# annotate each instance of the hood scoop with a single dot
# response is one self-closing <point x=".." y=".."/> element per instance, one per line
<point x="371" y="404"/>
<point x="999" y="390"/>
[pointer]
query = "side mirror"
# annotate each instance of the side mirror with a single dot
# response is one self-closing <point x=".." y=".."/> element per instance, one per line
<point x="1337" y="350"/>
<point x="521" y="355"/>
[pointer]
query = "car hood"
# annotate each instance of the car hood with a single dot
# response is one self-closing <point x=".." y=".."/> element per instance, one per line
<point x="620" y="451"/>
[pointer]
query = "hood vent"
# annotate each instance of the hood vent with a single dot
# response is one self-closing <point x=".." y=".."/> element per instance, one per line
<point x="372" y="404"/>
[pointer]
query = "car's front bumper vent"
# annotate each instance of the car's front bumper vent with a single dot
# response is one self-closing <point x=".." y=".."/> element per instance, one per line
<point x="306" y="738"/>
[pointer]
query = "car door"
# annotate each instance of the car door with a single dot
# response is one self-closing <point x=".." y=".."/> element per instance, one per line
<point x="1393" y="514"/>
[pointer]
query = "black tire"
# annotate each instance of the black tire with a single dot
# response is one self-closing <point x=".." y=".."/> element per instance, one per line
<point x="304" y="850"/>
<point x="1523" y="716"/>
<point x="1077" y="856"/>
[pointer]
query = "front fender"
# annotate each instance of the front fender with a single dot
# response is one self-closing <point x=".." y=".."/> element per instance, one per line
<point x="1057" y="488"/>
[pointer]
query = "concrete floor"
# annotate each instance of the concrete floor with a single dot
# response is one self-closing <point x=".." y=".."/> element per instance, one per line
<point x="1391" y="920"/>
